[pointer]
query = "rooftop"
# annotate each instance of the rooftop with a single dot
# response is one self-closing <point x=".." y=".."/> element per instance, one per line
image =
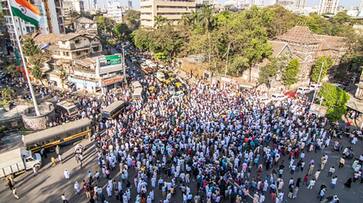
<point x="300" y="35"/>
<point x="84" y="20"/>
<point x="277" y="47"/>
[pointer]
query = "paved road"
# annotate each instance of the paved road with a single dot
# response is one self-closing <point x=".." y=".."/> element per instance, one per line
<point x="49" y="184"/>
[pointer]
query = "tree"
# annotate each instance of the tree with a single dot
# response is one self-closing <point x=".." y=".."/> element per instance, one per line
<point x="142" y="39"/>
<point x="160" y="21"/>
<point x="281" y="20"/>
<point x="105" y="27"/>
<point x="335" y="99"/>
<point x="323" y="63"/>
<point x="289" y="75"/>
<point x="11" y="70"/>
<point x="132" y="19"/>
<point x="63" y="76"/>
<point x="7" y="95"/>
<point x="35" y="57"/>
<point x="121" y="32"/>
<point x="268" y="71"/>
<point x="36" y="73"/>
<point x="29" y="46"/>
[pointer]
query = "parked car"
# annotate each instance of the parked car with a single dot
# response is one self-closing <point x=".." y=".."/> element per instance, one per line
<point x="278" y="97"/>
<point x="303" y="90"/>
<point x="314" y="86"/>
<point x="340" y="86"/>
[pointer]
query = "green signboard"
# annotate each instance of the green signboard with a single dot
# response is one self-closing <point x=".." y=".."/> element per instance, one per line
<point x="110" y="60"/>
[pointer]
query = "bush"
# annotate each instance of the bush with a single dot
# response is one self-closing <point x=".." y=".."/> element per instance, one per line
<point x="335" y="99"/>
<point x="324" y="63"/>
<point x="289" y="75"/>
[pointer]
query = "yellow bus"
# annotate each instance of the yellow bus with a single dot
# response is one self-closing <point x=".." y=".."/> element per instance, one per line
<point x="114" y="109"/>
<point x="59" y="135"/>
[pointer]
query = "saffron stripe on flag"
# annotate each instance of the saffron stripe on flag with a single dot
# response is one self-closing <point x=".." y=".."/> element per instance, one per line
<point x="29" y="6"/>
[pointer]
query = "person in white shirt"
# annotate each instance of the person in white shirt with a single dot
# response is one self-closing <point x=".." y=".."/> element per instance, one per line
<point x="66" y="174"/>
<point x="77" y="188"/>
<point x="311" y="184"/>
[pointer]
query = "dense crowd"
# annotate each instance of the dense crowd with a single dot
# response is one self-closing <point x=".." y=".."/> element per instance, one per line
<point x="210" y="144"/>
<point x="213" y="145"/>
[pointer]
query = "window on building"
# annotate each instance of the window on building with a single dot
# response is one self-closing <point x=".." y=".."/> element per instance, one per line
<point x="96" y="49"/>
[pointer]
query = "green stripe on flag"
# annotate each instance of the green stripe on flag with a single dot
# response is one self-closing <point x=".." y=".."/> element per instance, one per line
<point x="17" y="12"/>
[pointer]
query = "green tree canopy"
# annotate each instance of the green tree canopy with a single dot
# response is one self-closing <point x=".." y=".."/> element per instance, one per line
<point x="268" y="71"/>
<point x="323" y="63"/>
<point x="35" y="57"/>
<point x="335" y="99"/>
<point x="289" y="75"/>
<point x="7" y="94"/>
<point x="132" y="19"/>
<point x="121" y="31"/>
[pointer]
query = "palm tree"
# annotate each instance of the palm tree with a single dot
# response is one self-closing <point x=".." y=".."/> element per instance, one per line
<point x="35" y="57"/>
<point x="160" y="21"/>
<point x="63" y="76"/>
<point x="7" y="95"/>
<point x="207" y="21"/>
<point x="11" y="70"/>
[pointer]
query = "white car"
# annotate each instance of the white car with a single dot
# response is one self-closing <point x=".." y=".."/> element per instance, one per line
<point x="264" y="99"/>
<point x="340" y="86"/>
<point x="303" y="90"/>
<point x="315" y="86"/>
<point x="278" y="97"/>
<point x="160" y="75"/>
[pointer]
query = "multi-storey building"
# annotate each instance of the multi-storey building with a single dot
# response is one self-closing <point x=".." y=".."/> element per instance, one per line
<point x="51" y="20"/>
<point x="286" y="3"/>
<point x="54" y="14"/>
<point x="172" y="10"/>
<point x="64" y="48"/>
<point x="204" y="2"/>
<point x="73" y="5"/>
<point x="21" y="26"/>
<point x="85" y="24"/>
<point x="300" y="4"/>
<point x="99" y="73"/>
<point x="328" y="6"/>
<point x="115" y="11"/>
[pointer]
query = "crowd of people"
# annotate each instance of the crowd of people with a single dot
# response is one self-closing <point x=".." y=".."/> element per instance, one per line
<point x="210" y="144"/>
<point x="213" y="145"/>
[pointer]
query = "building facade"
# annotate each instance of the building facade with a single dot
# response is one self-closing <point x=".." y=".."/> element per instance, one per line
<point x="115" y="11"/>
<point x="65" y="48"/>
<point x="51" y="20"/>
<point x="96" y="74"/>
<point x="328" y="7"/>
<point x="299" y="42"/>
<point x="172" y="10"/>
<point x="73" y="5"/>
<point x="300" y="4"/>
<point x="85" y="24"/>
<point x="55" y="15"/>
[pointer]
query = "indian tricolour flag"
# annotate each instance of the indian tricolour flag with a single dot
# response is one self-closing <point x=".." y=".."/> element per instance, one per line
<point x="26" y="11"/>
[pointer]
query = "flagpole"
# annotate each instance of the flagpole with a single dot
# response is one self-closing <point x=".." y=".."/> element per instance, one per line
<point x="24" y="63"/>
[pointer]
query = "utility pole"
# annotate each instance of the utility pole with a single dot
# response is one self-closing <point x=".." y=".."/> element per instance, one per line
<point x="321" y="70"/>
<point x="226" y="69"/>
<point x="124" y="63"/>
